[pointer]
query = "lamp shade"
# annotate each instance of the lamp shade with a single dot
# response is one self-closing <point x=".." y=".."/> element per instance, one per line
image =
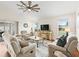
<point x="67" y="29"/>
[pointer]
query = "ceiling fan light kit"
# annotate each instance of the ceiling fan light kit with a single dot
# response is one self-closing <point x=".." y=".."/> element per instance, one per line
<point x="28" y="7"/>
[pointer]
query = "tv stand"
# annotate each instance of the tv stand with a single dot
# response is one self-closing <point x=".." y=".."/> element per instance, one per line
<point x="46" y="35"/>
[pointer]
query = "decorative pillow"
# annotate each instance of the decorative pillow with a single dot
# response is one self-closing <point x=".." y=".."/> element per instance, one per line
<point x="23" y="43"/>
<point x="62" y="41"/>
<point x="75" y="53"/>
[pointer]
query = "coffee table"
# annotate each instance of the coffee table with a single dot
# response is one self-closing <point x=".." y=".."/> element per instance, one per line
<point x="35" y="39"/>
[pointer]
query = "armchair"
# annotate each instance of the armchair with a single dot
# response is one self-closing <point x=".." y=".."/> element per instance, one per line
<point x="70" y="46"/>
<point x="14" y="48"/>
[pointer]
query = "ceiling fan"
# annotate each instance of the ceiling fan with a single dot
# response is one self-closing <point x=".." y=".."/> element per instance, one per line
<point x="28" y="6"/>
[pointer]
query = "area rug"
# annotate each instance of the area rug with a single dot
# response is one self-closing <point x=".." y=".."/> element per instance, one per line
<point x="3" y="50"/>
<point x="42" y="51"/>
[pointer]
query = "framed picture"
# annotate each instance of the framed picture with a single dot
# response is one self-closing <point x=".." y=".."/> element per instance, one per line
<point x="25" y="25"/>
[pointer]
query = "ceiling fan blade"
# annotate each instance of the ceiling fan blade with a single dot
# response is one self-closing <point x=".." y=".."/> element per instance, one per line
<point x="20" y="5"/>
<point x="26" y="7"/>
<point x="29" y="3"/>
<point x="23" y="3"/>
<point x="35" y="5"/>
<point x="37" y="8"/>
<point x="20" y="8"/>
<point x="24" y="10"/>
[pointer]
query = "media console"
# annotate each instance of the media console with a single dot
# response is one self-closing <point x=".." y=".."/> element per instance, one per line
<point x="45" y="35"/>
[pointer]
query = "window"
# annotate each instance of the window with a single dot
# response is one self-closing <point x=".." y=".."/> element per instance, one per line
<point x="62" y="24"/>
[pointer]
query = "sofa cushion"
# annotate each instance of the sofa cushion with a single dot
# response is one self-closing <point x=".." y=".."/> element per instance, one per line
<point x="59" y="54"/>
<point x="25" y="37"/>
<point x="28" y="48"/>
<point x="20" y="39"/>
<point x="23" y="43"/>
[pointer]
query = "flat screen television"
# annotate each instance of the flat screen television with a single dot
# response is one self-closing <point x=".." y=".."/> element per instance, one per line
<point x="45" y="27"/>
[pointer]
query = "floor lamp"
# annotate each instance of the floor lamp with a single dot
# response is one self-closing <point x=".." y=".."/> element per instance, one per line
<point x="67" y="30"/>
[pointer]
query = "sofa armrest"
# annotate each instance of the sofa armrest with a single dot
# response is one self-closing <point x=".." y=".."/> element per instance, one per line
<point x="53" y="48"/>
<point x="62" y="49"/>
<point x="27" y="48"/>
<point x="59" y="54"/>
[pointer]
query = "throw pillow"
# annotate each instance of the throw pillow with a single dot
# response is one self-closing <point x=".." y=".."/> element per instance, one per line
<point x="75" y="53"/>
<point x="62" y="41"/>
<point x="59" y="42"/>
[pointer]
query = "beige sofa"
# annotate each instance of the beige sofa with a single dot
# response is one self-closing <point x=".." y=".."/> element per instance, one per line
<point x="26" y="33"/>
<point x="15" y="49"/>
<point x="22" y="36"/>
<point x="65" y="51"/>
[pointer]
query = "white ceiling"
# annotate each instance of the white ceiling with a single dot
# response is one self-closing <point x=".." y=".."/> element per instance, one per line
<point x="9" y="9"/>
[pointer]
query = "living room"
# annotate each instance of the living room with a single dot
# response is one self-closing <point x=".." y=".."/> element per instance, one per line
<point x="38" y="31"/>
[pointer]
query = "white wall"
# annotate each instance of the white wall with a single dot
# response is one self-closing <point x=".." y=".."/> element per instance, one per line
<point x="77" y="24"/>
<point x="21" y="28"/>
<point x="29" y="21"/>
<point x="53" y="22"/>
